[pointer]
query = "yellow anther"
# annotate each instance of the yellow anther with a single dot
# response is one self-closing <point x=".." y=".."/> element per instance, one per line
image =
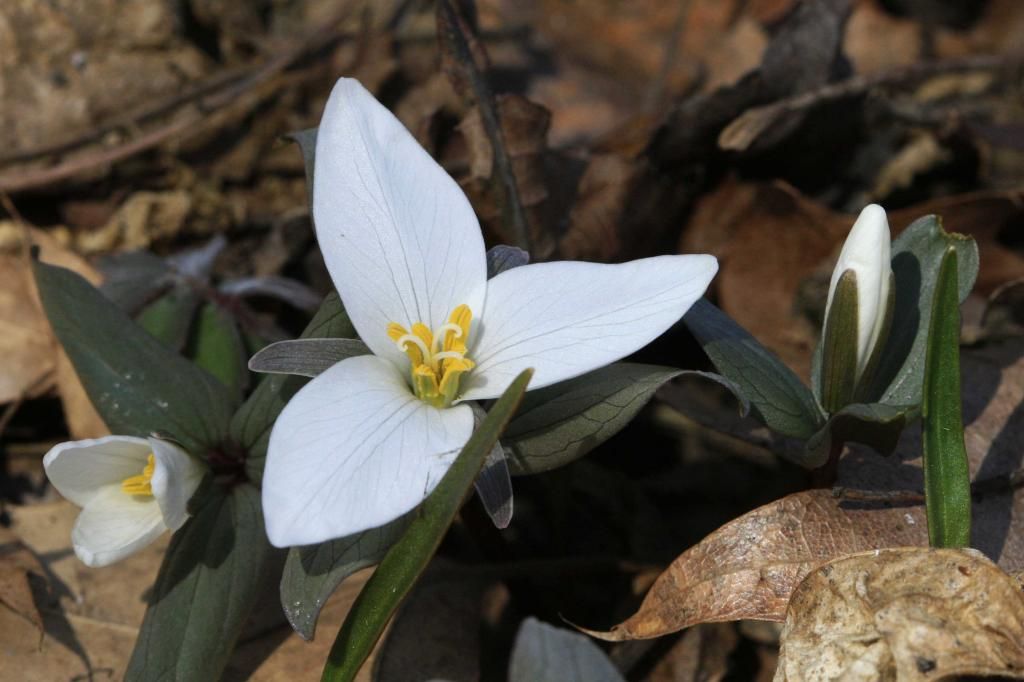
<point x="141" y="484"/>
<point x="461" y="316"/>
<point x="437" y="358"/>
<point x="423" y="331"/>
<point x="454" y="369"/>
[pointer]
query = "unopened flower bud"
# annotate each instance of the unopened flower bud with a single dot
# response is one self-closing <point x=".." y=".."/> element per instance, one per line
<point x="858" y="312"/>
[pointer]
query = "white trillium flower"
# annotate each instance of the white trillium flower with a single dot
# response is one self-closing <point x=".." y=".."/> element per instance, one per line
<point x="865" y="264"/>
<point x="130" y="490"/>
<point x="368" y="439"/>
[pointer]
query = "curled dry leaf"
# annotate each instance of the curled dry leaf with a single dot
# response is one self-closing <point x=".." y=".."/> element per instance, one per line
<point x="31" y="361"/>
<point x="748" y="568"/>
<point x="524" y="127"/>
<point x="907" y="614"/>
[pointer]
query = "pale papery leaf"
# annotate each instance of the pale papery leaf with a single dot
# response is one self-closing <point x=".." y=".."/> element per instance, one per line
<point x="908" y="613"/>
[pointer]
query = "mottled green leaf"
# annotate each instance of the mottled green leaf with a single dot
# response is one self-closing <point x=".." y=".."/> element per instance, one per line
<point x="137" y="384"/>
<point x="779" y="399"/>
<point x="875" y="424"/>
<point x="916" y="258"/>
<point x="305" y="357"/>
<point x="312" y="573"/>
<point x="563" y="422"/>
<point x="207" y="585"/>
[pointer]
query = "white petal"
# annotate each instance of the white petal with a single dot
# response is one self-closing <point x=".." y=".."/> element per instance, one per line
<point x="867" y="252"/>
<point x="566" y="318"/>
<point x="353" y="450"/>
<point x="114" y="525"/>
<point x="176" y="476"/>
<point x="79" y="469"/>
<point x="399" y="237"/>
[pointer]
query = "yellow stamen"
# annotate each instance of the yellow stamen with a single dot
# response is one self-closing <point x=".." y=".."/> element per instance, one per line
<point x="454" y="369"/>
<point x="438" y="357"/>
<point x="461" y="316"/>
<point x="141" y="484"/>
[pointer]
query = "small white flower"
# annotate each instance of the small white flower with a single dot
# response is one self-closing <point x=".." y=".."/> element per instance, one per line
<point x="368" y="439"/>
<point x="130" y="490"/>
<point x="866" y="253"/>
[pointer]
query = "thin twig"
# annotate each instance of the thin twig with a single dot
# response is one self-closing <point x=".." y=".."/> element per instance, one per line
<point x="455" y="35"/>
<point x="898" y="497"/>
<point x="668" y="59"/>
<point x="1001" y="483"/>
<point x="208" y="100"/>
<point x="746" y="128"/>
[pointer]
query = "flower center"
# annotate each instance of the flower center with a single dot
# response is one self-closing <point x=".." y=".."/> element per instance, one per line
<point x="141" y="484"/>
<point x="438" y="357"/>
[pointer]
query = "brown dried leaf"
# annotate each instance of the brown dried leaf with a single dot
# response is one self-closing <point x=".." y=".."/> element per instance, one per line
<point x="702" y="653"/>
<point x="17" y="564"/>
<point x="748" y="568"/>
<point x="595" y="219"/>
<point x="93" y="616"/>
<point x="771" y="240"/>
<point x="906" y="614"/>
<point x="31" y="361"/>
<point x="65" y="67"/>
<point x="524" y="126"/>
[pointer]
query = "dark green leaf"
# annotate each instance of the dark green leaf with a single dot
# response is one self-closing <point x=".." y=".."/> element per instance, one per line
<point x="407" y="559"/>
<point x="947" y="485"/>
<point x="137" y="384"/>
<point x="306" y="139"/>
<point x="779" y="398"/>
<point x="170" y="317"/>
<point x="305" y="357"/>
<point x="208" y="583"/>
<point x="839" y="347"/>
<point x="543" y="653"/>
<point x="134" y="278"/>
<point x="744" y="404"/>
<point x="312" y="573"/>
<point x="563" y="422"/>
<point x="916" y="257"/>
<point x="877" y="425"/>
<point x="251" y="425"/>
<point x="217" y="347"/>
<point x="503" y="257"/>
